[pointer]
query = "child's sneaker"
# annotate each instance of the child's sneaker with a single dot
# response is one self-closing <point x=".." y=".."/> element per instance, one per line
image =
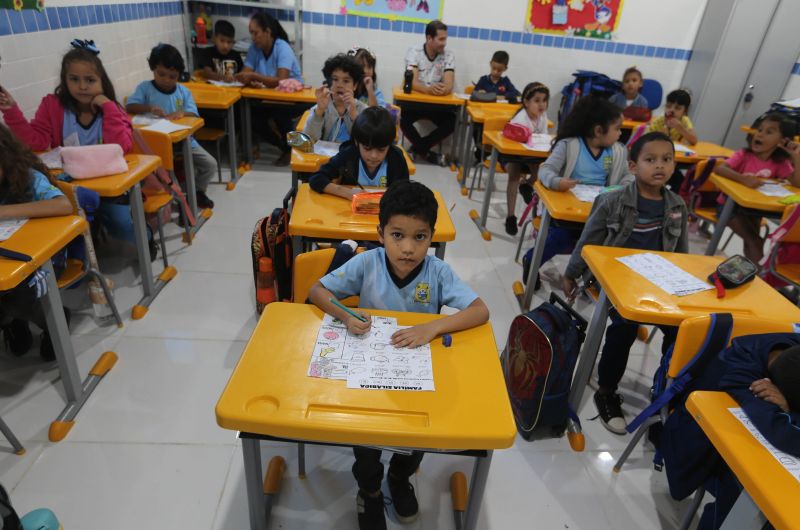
<point x="370" y="511"/>
<point x="18" y="337"/>
<point x="203" y="201"/>
<point x="511" y="225"/>
<point x="403" y="499"/>
<point x="609" y="410"/>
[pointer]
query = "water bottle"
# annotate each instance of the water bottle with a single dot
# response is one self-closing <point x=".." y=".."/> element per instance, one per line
<point x="408" y="84"/>
<point x="200" y="30"/>
<point x="265" y="281"/>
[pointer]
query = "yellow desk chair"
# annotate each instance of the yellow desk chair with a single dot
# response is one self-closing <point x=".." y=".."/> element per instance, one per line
<point x="788" y="272"/>
<point x="490" y="124"/>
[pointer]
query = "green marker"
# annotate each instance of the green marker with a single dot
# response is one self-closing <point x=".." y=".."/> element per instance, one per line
<point x="338" y="304"/>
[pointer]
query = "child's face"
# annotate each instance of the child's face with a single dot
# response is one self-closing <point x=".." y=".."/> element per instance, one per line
<point x="674" y="110"/>
<point x="536" y="105"/>
<point x="631" y="84"/>
<point x="655" y="165"/>
<point x="83" y="82"/>
<point x="223" y="43"/>
<point x="406" y="240"/>
<point x="368" y="70"/>
<point x="767" y="137"/>
<point x="166" y="78"/>
<point x="610" y="137"/>
<point x="340" y="84"/>
<point x="496" y="70"/>
<point x="372" y="156"/>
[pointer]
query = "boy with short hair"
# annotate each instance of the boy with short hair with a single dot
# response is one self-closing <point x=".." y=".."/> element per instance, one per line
<point x="675" y="122"/>
<point x="331" y="119"/>
<point x="220" y="62"/>
<point x="645" y="215"/>
<point x="166" y="98"/>
<point x="632" y="82"/>
<point x="494" y="81"/>
<point x="401" y="276"/>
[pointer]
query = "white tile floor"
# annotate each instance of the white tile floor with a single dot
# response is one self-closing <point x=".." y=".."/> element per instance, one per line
<point x="146" y="451"/>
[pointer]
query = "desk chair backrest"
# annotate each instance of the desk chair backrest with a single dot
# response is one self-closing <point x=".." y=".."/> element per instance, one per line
<point x="652" y="92"/>
<point x="792" y="226"/>
<point x="160" y="144"/>
<point x="495" y="123"/>
<point x="301" y="123"/>
<point x="309" y="267"/>
<point x="468" y="89"/>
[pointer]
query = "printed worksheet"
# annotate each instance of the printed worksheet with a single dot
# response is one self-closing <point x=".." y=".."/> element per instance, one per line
<point x="225" y="83"/>
<point x="680" y="148"/>
<point x="771" y="189"/>
<point x="539" y="142"/>
<point x="326" y="148"/>
<point x="9" y="226"/>
<point x="369" y="361"/>
<point x="165" y="126"/>
<point x="586" y="193"/>
<point x="789" y="463"/>
<point x="664" y="274"/>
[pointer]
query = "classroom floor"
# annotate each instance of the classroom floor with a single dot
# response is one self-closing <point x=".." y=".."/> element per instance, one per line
<point x="146" y="451"/>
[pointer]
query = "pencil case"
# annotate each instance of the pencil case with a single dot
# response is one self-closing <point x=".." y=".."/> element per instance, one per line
<point x="92" y="161"/>
<point x="367" y="203"/>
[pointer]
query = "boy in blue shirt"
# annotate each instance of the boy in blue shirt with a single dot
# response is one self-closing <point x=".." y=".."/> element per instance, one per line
<point x="494" y="81"/>
<point x="401" y="276"/>
<point x="165" y="98"/>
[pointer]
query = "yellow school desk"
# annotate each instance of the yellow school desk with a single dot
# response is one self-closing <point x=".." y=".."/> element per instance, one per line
<point x="270" y="397"/>
<point x="40" y="239"/>
<point x="559" y="205"/>
<point x="477" y="113"/>
<point x="769" y="491"/>
<point x="305" y="97"/>
<point x="219" y="98"/>
<point x="638" y="300"/>
<point x="702" y="151"/>
<point x="501" y="144"/>
<point x="418" y="100"/>
<point x="139" y="167"/>
<point x="311" y="162"/>
<point x="632" y="125"/>
<point x="740" y="194"/>
<point x="324" y="217"/>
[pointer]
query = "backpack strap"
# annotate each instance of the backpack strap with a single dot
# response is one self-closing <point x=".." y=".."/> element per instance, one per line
<point x="696" y="181"/>
<point x="775" y="238"/>
<point x="717" y="338"/>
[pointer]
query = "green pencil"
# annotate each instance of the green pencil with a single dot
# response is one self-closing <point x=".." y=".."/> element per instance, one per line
<point x="338" y="304"/>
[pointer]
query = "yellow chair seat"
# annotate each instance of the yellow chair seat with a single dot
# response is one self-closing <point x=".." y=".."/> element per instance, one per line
<point x="155" y="201"/>
<point x="208" y="134"/>
<point x="497" y="169"/>
<point x="790" y="271"/>
<point x="706" y="213"/>
<point x="71" y="273"/>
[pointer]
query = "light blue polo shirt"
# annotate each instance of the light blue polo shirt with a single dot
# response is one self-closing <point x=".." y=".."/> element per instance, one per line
<point x="41" y="188"/>
<point x="281" y="56"/>
<point x="74" y="133"/>
<point x="590" y="170"/>
<point x="379" y="179"/>
<point x="180" y="99"/>
<point x="367" y="276"/>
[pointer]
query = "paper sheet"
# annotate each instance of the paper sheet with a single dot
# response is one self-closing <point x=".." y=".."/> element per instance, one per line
<point x="225" y="83"/>
<point x="52" y="158"/>
<point x="774" y="190"/>
<point x="680" y="148"/>
<point x="461" y="95"/>
<point x="586" y="193"/>
<point x="324" y="148"/>
<point x="369" y="361"/>
<point x="664" y="274"/>
<point x="9" y="226"/>
<point x="539" y="142"/>
<point x="789" y="463"/>
<point x="165" y="126"/>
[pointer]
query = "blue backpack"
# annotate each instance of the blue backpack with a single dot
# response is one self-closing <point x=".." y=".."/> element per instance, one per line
<point x="586" y="82"/>
<point x="538" y="362"/>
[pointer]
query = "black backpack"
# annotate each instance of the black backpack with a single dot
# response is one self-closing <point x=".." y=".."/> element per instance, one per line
<point x="271" y="239"/>
<point x="586" y="82"/>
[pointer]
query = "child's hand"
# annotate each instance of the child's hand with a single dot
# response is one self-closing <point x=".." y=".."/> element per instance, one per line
<point x="99" y="100"/>
<point x="569" y="286"/>
<point x="6" y="101"/>
<point x="356" y="326"/>
<point x="157" y="111"/>
<point x="766" y="390"/>
<point x="349" y="101"/>
<point x="369" y="84"/>
<point x="245" y="77"/>
<point x="228" y="78"/>
<point x="323" y="95"/>
<point x="793" y="148"/>
<point x="414" y="336"/>
<point x="566" y="184"/>
<point x="750" y="180"/>
<point x="175" y="115"/>
<point x="672" y="122"/>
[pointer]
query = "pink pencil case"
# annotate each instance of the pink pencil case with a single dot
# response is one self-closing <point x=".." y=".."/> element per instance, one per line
<point x="92" y="161"/>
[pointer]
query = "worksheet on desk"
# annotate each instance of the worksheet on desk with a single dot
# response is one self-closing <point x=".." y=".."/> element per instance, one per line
<point x="369" y="361"/>
<point x="664" y="274"/>
<point x="586" y="193"/>
<point x="9" y="226"/>
<point x="788" y="462"/>
<point x="771" y="189"/>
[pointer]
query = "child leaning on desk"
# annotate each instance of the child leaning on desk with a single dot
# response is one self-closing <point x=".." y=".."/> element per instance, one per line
<point x="25" y="192"/>
<point x="164" y="97"/>
<point x="645" y="215"/>
<point x="401" y="276"/>
<point x="370" y="159"/>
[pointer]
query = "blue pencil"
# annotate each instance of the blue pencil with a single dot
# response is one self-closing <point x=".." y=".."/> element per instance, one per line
<point x="338" y="304"/>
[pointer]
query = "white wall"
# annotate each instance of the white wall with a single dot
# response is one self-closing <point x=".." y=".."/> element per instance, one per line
<point x="792" y="89"/>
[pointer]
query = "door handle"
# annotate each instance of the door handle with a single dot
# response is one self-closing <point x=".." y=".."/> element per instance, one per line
<point x="749" y="96"/>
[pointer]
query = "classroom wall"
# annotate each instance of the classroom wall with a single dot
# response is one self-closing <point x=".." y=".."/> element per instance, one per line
<point x="792" y="89"/>
<point x="32" y="43"/>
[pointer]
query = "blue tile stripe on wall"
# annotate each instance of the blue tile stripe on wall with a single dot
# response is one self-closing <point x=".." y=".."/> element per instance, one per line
<point x="28" y="21"/>
<point x="796" y="69"/>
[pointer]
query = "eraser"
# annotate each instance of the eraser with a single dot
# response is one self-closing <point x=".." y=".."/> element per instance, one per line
<point x="447" y="340"/>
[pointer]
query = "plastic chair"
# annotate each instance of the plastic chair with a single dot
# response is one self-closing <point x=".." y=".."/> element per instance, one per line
<point x="490" y="124"/>
<point x="788" y="272"/>
<point x="75" y="269"/>
<point x="469" y="89"/>
<point x="309" y="267"/>
<point x="652" y="92"/>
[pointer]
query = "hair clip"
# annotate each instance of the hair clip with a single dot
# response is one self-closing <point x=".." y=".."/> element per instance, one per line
<point x="352" y="52"/>
<point x="87" y="45"/>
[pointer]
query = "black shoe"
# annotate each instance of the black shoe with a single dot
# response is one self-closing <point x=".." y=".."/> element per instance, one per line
<point x="370" y="511"/>
<point x="46" y="351"/>
<point x="203" y="201"/>
<point x="526" y="190"/>
<point x="153" y="248"/>
<point x="436" y="159"/>
<point x="18" y="337"/>
<point x="609" y="410"/>
<point x="403" y="498"/>
<point x="511" y="225"/>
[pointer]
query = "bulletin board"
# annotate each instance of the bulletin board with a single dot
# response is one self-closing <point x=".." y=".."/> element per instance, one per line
<point x="19" y="5"/>
<point x="411" y="10"/>
<point x="580" y="18"/>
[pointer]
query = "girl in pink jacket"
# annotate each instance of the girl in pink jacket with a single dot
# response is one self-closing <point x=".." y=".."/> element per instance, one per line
<point x="82" y="111"/>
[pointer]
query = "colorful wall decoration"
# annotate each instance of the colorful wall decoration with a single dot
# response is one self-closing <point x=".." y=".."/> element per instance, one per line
<point x="19" y="5"/>
<point x="579" y="18"/>
<point x="411" y="10"/>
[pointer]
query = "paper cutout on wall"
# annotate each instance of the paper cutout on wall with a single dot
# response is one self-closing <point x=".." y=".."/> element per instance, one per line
<point x="579" y="18"/>
<point x="411" y="10"/>
<point x="19" y="5"/>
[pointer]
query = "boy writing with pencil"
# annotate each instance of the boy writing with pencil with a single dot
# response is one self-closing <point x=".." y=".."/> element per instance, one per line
<point x="401" y="276"/>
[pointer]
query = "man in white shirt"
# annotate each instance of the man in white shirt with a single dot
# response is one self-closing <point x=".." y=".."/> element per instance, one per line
<point x="434" y="74"/>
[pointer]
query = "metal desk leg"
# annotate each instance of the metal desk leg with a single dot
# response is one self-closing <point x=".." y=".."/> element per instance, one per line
<point x="487" y="191"/>
<point x="191" y="188"/>
<point x="248" y="132"/>
<point x="439" y="251"/>
<point x="454" y="144"/>
<point x="744" y="515"/>
<point x="466" y="163"/>
<point x="476" y="488"/>
<point x="9" y="434"/>
<point x="297" y="247"/>
<point x="719" y="228"/>
<point x="251" y="452"/>
<point x="234" y="162"/>
<point x="536" y="260"/>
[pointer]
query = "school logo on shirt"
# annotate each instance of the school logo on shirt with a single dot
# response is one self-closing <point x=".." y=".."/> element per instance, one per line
<point x="384" y="182"/>
<point x="422" y="293"/>
<point x="607" y="163"/>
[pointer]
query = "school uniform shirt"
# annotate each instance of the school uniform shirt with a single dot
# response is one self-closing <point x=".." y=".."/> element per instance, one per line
<point x="430" y="70"/>
<point x="364" y="97"/>
<point x="590" y="169"/>
<point x="41" y="189"/>
<point x="425" y="290"/>
<point x="659" y="124"/>
<point x="212" y="58"/>
<point x="75" y="133"/>
<point x="538" y="126"/>
<point x="180" y="99"/>
<point x="503" y="87"/>
<point x="647" y="230"/>
<point x="620" y="101"/>
<point x="281" y="56"/>
<point x="379" y="179"/>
